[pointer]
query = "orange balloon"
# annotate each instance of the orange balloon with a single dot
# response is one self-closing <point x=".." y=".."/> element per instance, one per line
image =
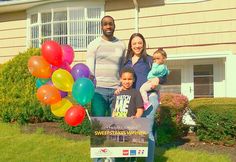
<point x="39" y="67"/>
<point x="48" y="94"/>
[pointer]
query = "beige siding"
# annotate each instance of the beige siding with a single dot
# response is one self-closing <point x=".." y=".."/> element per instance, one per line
<point x="208" y="26"/>
<point x="12" y="35"/>
<point x="180" y="28"/>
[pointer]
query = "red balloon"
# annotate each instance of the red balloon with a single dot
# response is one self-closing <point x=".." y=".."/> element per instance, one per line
<point x="75" y="115"/>
<point x="52" y="52"/>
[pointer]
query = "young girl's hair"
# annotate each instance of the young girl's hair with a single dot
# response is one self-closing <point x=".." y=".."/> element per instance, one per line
<point x="161" y="51"/>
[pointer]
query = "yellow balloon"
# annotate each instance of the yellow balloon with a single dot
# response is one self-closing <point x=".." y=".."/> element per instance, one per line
<point x="59" y="109"/>
<point x="62" y="80"/>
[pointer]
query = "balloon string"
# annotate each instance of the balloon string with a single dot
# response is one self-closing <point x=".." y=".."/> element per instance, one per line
<point x="88" y="115"/>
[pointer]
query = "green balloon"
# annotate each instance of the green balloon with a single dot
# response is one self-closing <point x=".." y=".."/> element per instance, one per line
<point x="99" y="105"/>
<point x="83" y="91"/>
<point x="40" y="82"/>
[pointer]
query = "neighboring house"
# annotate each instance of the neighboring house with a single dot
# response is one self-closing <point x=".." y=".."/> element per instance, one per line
<point x="198" y="35"/>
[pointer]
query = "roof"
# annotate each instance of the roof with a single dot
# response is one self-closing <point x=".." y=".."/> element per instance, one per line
<point x="19" y="5"/>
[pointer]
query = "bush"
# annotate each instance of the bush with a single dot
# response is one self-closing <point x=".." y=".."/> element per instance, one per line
<point x="18" y="92"/>
<point x="169" y="117"/>
<point x="216" y="119"/>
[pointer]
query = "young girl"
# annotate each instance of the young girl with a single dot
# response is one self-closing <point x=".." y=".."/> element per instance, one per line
<point x="159" y="69"/>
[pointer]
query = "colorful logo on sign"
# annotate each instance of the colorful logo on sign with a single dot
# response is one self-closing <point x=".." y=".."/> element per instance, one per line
<point x="103" y="151"/>
<point x="132" y="152"/>
<point x="140" y="152"/>
<point x="125" y="152"/>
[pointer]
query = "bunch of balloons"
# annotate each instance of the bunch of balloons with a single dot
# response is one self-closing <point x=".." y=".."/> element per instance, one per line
<point x="65" y="89"/>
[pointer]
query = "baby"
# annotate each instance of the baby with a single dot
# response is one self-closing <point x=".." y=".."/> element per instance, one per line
<point x="159" y="69"/>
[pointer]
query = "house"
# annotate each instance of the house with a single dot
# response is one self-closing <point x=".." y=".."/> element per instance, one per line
<point x="198" y="35"/>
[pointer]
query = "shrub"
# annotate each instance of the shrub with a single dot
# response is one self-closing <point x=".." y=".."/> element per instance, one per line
<point x="169" y="126"/>
<point x="216" y="119"/>
<point x="18" y="92"/>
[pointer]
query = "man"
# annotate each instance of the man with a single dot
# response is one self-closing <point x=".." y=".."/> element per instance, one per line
<point x="104" y="59"/>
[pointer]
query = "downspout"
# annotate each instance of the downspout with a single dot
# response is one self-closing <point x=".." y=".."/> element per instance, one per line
<point x="136" y="12"/>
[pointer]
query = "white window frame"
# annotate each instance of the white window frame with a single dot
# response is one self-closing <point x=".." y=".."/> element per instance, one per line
<point x="65" y="6"/>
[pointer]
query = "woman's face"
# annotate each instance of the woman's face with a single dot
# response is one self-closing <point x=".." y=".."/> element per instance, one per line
<point x="137" y="45"/>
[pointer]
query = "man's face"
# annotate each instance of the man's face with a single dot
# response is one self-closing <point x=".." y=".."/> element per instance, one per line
<point x="108" y="27"/>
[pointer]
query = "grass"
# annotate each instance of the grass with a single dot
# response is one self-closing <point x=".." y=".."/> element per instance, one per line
<point x="19" y="147"/>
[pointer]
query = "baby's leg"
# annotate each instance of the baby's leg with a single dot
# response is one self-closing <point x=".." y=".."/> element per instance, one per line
<point x="154" y="82"/>
<point x="144" y="89"/>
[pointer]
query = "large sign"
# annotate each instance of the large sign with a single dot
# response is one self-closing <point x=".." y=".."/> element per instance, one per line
<point x="119" y="137"/>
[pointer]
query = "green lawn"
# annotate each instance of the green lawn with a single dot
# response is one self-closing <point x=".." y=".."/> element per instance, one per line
<point x="18" y="147"/>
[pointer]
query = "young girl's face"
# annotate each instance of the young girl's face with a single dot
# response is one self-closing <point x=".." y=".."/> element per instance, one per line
<point x="158" y="58"/>
<point x="127" y="80"/>
<point x="137" y="45"/>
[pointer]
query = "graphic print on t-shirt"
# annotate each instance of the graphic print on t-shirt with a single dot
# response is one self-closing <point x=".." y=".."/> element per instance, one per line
<point x="122" y="105"/>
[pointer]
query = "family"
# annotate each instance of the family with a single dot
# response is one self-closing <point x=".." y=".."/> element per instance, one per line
<point x="131" y="73"/>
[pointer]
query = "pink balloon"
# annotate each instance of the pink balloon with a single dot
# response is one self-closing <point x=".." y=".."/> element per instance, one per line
<point x="64" y="66"/>
<point x="68" y="53"/>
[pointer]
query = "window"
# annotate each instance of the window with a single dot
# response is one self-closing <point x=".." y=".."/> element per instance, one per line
<point x="173" y="84"/>
<point x="203" y="81"/>
<point x="74" y="26"/>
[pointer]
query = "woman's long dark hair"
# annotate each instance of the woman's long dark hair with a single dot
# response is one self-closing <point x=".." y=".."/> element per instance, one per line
<point x="130" y="53"/>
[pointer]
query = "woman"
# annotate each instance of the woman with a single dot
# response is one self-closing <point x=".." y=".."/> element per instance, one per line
<point x="137" y="58"/>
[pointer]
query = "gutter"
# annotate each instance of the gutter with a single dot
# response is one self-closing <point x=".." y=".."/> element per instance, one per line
<point x="136" y="15"/>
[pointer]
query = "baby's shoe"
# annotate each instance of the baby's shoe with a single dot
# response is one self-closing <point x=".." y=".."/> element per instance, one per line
<point x="146" y="105"/>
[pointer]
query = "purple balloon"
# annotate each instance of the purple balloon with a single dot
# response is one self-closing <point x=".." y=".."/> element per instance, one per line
<point x="80" y="70"/>
<point x="63" y="94"/>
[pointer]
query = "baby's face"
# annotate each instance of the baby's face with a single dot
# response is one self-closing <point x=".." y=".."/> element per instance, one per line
<point x="158" y="58"/>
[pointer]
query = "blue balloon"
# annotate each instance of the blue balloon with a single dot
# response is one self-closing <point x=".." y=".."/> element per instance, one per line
<point x="83" y="91"/>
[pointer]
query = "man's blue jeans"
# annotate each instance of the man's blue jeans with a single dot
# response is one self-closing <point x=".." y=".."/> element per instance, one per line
<point x="150" y="114"/>
<point x="102" y="102"/>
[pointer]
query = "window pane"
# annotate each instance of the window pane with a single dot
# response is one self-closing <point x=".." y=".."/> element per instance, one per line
<point x="203" y="69"/>
<point x="61" y="40"/>
<point x="34" y="32"/>
<point x="46" y="30"/>
<point x="60" y="16"/>
<point x="35" y="43"/>
<point x="203" y="81"/>
<point x="92" y="27"/>
<point x="94" y="13"/>
<point x="173" y="84"/>
<point x="46" y="17"/>
<point x="77" y="28"/>
<point x="60" y="29"/>
<point x="33" y="18"/>
<point x="77" y="14"/>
